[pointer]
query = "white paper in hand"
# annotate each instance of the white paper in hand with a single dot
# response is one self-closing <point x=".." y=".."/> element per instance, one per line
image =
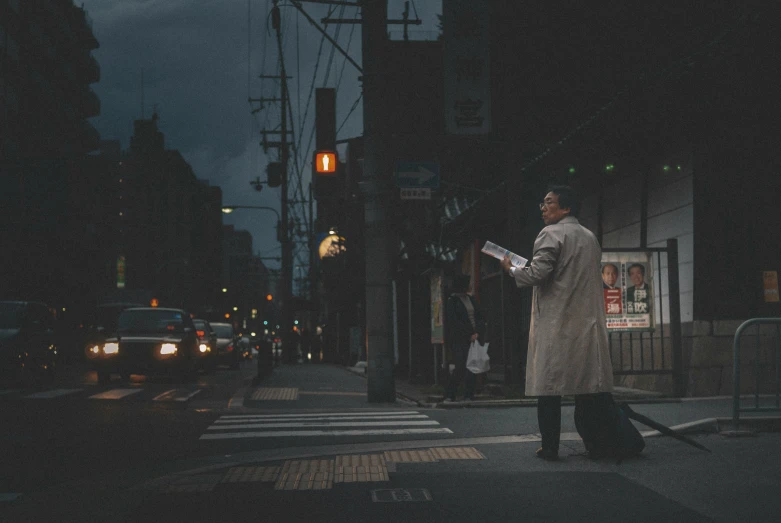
<point x="495" y="251"/>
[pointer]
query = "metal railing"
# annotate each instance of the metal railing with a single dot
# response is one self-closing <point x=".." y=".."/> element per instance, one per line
<point x="736" y="408"/>
<point x="657" y="352"/>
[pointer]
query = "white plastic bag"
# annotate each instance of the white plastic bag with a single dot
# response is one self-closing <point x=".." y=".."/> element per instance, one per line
<point x="478" y="361"/>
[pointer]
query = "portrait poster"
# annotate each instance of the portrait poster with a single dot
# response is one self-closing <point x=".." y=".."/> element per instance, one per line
<point x="627" y="287"/>
<point x="437" y="309"/>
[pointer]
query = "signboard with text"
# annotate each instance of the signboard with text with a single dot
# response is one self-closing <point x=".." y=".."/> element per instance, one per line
<point x="466" y="59"/>
<point x="437" y="309"/>
<point x="627" y="287"/>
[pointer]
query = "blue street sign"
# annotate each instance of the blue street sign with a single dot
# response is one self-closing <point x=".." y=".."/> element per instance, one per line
<point x="417" y="175"/>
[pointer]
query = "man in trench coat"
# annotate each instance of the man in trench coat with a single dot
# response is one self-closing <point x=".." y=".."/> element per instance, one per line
<point x="568" y="346"/>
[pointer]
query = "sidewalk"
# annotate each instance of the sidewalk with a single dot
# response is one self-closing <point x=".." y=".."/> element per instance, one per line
<point x="685" y="415"/>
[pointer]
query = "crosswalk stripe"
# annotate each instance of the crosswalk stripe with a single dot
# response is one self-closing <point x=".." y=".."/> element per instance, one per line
<point x="176" y="395"/>
<point x="114" y="394"/>
<point x="313" y="433"/>
<point x="326" y="424"/>
<point x="331" y="414"/>
<point x="251" y="418"/>
<point x="54" y="393"/>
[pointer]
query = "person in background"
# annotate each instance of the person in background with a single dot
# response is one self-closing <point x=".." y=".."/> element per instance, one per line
<point x="464" y="323"/>
<point x="568" y="345"/>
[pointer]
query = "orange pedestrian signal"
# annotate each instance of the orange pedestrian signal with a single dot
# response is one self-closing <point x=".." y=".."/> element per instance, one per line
<point x="325" y="162"/>
<point x="153" y="302"/>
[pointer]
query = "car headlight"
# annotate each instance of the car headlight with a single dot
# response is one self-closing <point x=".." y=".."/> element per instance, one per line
<point x="204" y="348"/>
<point x="110" y="348"/>
<point x="167" y="349"/>
<point x="94" y="351"/>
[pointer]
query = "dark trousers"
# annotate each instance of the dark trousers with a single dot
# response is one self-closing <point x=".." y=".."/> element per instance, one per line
<point x="594" y="420"/>
<point x="461" y="373"/>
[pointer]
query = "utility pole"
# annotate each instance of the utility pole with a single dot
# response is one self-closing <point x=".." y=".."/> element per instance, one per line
<point x="284" y="155"/>
<point x="379" y="250"/>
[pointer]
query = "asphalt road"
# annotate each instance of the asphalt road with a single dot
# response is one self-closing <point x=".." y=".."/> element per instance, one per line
<point x="223" y="450"/>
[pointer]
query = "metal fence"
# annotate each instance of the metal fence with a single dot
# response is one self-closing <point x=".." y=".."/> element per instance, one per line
<point x="656" y="352"/>
<point x="736" y="407"/>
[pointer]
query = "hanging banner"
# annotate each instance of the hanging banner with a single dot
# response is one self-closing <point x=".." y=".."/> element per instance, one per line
<point x="466" y="59"/>
<point x="437" y="309"/>
<point x="627" y="285"/>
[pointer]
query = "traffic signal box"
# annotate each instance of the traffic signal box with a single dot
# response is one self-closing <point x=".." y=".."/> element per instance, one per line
<point x="326" y="169"/>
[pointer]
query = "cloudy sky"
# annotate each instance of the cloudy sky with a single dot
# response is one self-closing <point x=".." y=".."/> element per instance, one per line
<point x="200" y="61"/>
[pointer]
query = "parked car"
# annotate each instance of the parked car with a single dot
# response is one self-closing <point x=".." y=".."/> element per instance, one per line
<point x="150" y="341"/>
<point x="228" y="352"/>
<point x="27" y="340"/>
<point x="207" y="345"/>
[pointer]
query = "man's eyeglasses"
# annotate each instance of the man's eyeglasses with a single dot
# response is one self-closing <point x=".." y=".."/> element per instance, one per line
<point x="548" y="203"/>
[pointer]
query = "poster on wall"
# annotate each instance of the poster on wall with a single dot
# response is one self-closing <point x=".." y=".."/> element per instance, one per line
<point x="627" y="286"/>
<point x="437" y="309"/>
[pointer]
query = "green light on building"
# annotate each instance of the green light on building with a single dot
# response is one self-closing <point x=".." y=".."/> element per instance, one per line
<point x="571" y="170"/>
<point x="609" y="168"/>
<point x="666" y="168"/>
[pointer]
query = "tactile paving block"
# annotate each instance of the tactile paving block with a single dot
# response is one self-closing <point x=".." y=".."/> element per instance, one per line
<point x="456" y="453"/>
<point x="358" y="468"/>
<point x="408" y="456"/>
<point x="250" y="474"/>
<point x="314" y="474"/>
<point x="275" y="394"/>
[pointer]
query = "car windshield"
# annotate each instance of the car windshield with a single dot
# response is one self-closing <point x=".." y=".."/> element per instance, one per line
<point x="156" y="321"/>
<point x="11" y="315"/>
<point x="200" y="325"/>
<point x="223" y="331"/>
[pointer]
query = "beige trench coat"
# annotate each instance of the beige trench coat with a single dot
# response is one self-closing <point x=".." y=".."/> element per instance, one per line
<point x="568" y="347"/>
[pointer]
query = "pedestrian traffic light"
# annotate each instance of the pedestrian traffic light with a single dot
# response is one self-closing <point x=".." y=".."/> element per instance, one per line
<point x="274" y="173"/>
<point x="325" y="163"/>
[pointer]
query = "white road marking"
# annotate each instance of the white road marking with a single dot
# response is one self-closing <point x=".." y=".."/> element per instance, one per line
<point x="115" y="394"/>
<point x="314" y="433"/>
<point x="177" y="395"/>
<point x="334" y="414"/>
<point x="326" y="424"/>
<point x="251" y="418"/>
<point x="48" y="394"/>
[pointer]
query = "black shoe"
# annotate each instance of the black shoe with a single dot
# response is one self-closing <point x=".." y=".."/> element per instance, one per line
<point x="547" y="455"/>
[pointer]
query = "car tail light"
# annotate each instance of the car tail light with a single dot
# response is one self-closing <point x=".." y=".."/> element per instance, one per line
<point x="229" y="348"/>
<point x="201" y="333"/>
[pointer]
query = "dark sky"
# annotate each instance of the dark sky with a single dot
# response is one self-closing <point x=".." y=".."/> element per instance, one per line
<point x="201" y="60"/>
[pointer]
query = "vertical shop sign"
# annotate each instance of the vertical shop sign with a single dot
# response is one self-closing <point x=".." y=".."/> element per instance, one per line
<point x="770" y="281"/>
<point x="437" y="309"/>
<point x="121" y="268"/>
<point x="466" y="53"/>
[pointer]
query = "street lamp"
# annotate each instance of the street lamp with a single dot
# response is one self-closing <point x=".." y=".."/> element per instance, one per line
<point x="287" y="274"/>
<point x="227" y="209"/>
